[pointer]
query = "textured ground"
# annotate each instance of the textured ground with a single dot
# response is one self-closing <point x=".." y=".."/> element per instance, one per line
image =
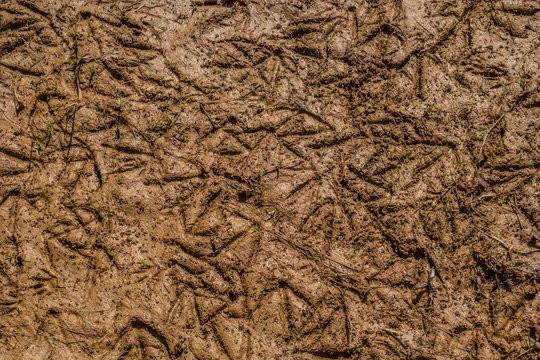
<point x="269" y="179"/>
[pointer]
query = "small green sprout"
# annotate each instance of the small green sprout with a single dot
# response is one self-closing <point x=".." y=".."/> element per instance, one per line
<point x="49" y="133"/>
<point x="431" y="107"/>
<point x="280" y="164"/>
<point x="144" y="263"/>
<point x="92" y="68"/>
<point x="406" y="159"/>
<point x="10" y="256"/>
<point x="73" y="108"/>
<point x="301" y="26"/>
<point x="89" y="33"/>
<point x="111" y="256"/>
<point x="38" y="143"/>
<point x="255" y="227"/>
<point x="443" y="175"/>
<point x="78" y="34"/>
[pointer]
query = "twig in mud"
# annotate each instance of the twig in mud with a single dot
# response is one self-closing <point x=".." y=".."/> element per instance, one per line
<point x="530" y="252"/>
<point x="146" y="6"/>
<point x="422" y="26"/>
<point x="118" y="130"/>
<point x="72" y="332"/>
<point x="71" y="115"/>
<point x="172" y="310"/>
<point x="496" y="239"/>
<point x="394" y="335"/>
<point x="207" y="116"/>
<point x="5" y="116"/>
<point x="446" y="192"/>
<point x="37" y="62"/>
<point x="489" y="131"/>
<point x="532" y="344"/>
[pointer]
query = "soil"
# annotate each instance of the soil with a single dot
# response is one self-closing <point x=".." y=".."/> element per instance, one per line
<point x="269" y="179"/>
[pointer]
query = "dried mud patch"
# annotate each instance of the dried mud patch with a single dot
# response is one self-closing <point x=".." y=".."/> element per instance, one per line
<point x="269" y="179"/>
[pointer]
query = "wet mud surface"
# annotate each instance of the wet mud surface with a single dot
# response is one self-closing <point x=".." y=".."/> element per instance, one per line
<point x="269" y="179"/>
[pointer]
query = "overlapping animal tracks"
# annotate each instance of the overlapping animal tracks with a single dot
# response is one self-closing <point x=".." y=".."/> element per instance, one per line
<point x="269" y="179"/>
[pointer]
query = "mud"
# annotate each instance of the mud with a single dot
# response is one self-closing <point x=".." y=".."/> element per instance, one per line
<point x="269" y="179"/>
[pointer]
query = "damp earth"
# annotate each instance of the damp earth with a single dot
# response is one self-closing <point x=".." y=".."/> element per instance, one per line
<point x="260" y="179"/>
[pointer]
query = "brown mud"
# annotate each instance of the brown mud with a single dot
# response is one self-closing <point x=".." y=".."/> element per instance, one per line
<point x="269" y="179"/>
